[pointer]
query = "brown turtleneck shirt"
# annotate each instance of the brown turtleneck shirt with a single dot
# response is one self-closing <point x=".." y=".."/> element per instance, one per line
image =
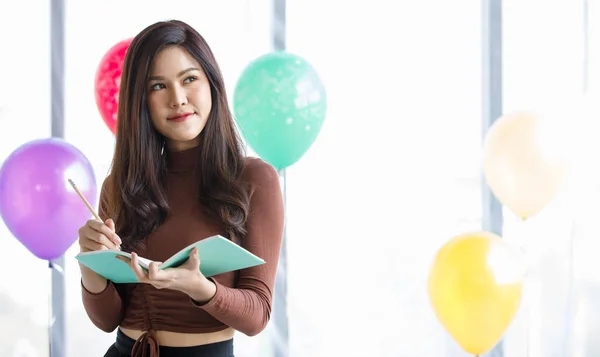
<point x="244" y="305"/>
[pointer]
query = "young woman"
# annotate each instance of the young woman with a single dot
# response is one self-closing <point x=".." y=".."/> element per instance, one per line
<point x="178" y="175"/>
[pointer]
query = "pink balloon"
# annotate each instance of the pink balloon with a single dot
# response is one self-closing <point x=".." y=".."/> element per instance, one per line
<point x="108" y="81"/>
<point x="37" y="204"/>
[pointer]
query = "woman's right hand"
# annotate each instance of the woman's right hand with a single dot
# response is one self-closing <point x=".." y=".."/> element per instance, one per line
<point x="95" y="235"/>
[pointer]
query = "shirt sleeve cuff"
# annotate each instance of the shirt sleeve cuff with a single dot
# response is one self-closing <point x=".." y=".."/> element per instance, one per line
<point x="108" y="291"/>
<point x="216" y="302"/>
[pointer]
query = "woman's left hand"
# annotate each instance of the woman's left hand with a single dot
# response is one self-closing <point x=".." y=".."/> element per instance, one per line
<point x="186" y="278"/>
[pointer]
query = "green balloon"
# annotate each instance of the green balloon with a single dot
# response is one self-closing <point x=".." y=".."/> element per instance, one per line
<point x="279" y="104"/>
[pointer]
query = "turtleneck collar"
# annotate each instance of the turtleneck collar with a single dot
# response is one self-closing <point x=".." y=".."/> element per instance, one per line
<point x="179" y="161"/>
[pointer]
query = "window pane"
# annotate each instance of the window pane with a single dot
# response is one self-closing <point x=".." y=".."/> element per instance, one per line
<point x="393" y="175"/>
<point x="24" y="116"/>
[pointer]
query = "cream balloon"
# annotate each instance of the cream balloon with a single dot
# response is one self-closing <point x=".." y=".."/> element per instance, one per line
<point x="525" y="162"/>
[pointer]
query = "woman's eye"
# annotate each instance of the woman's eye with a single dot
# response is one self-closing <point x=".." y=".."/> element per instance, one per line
<point x="157" y="86"/>
<point x="190" y="79"/>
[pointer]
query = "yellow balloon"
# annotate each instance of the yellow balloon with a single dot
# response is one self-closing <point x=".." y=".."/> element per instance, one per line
<point x="475" y="289"/>
<point x="525" y="162"/>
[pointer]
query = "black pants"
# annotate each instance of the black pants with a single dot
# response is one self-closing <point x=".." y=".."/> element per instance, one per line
<point x="122" y="348"/>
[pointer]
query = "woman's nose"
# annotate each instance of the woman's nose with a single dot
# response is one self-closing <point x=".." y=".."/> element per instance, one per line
<point x="178" y="98"/>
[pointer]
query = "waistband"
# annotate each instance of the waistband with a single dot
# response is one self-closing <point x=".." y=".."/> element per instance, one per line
<point x="147" y="346"/>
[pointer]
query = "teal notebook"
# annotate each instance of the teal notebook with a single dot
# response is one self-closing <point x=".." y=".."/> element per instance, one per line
<point x="217" y="255"/>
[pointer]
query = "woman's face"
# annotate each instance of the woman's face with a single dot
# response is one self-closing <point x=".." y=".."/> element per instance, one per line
<point x="179" y="98"/>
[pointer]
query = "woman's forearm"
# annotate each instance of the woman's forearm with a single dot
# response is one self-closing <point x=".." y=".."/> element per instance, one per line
<point x="91" y="281"/>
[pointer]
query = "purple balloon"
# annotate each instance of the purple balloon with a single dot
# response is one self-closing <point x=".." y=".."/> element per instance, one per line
<point x="37" y="204"/>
